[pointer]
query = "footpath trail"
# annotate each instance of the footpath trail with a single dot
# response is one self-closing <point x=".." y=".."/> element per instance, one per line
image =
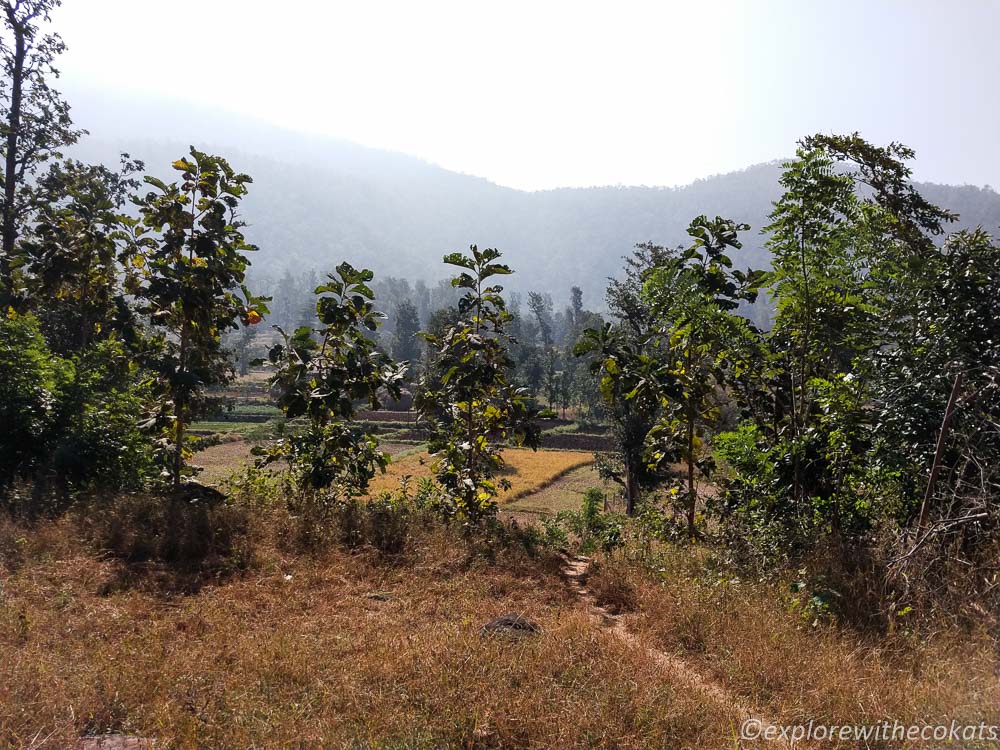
<point x="575" y="572"/>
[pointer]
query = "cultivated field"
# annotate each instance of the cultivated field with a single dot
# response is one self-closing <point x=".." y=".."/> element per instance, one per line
<point x="527" y="471"/>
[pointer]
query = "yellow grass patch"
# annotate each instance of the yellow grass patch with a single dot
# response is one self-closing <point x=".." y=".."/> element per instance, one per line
<point x="528" y="471"/>
<point x="341" y="651"/>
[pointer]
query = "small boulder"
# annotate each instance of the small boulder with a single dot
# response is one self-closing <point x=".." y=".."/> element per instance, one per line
<point x="196" y="492"/>
<point x="510" y="624"/>
<point x="114" y="742"/>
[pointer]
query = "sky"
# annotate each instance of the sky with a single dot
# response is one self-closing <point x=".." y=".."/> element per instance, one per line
<point x="544" y="94"/>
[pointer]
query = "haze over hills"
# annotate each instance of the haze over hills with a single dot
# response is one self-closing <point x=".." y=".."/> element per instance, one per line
<point x="316" y="201"/>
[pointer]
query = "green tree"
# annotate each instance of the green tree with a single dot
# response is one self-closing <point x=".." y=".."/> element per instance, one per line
<point x="632" y="374"/>
<point x="693" y="297"/>
<point x="76" y="260"/>
<point x="321" y="374"/>
<point x="821" y="323"/>
<point x="32" y="381"/>
<point x="406" y="342"/>
<point x="466" y="397"/>
<point x="34" y="120"/>
<point x="194" y="256"/>
<point x="632" y="381"/>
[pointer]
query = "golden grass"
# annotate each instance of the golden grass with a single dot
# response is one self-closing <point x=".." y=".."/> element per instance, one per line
<point x="220" y="462"/>
<point x="528" y="471"/>
<point x="743" y="635"/>
<point x="564" y="493"/>
<point x="349" y="649"/>
<point x="331" y="652"/>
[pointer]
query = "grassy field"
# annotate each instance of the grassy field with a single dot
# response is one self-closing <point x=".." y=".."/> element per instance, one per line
<point x="528" y="471"/>
<point x="219" y="462"/>
<point x="339" y="651"/>
<point x="349" y="649"/>
<point x="565" y="493"/>
<point x="541" y="481"/>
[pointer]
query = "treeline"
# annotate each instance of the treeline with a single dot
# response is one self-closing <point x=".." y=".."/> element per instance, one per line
<point x="866" y="421"/>
<point x="542" y="344"/>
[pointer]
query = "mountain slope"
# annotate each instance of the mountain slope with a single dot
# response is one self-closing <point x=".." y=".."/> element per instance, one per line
<point x="317" y="201"/>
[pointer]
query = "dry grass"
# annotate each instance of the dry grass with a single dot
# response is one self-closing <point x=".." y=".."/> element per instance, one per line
<point x="564" y="493"/>
<point x="328" y="652"/>
<point x="220" y="462"/>
<point x="743" y="636"/>
<point x="528" y="471"/>
<point x="348" y="648"/>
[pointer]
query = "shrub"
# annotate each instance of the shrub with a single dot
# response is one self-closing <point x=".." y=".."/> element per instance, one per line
<point x="611" y="588"/>
<point x="319" y="521"/>
<point x="189" y="535"/>
<point x="32" y="381"/>
<point x="593" y="527"/>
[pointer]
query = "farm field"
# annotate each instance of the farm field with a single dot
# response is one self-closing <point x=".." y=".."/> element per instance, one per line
<point x="528" y="471"/>
<point x="564" y="493"/>
<point x="219" y="462"/>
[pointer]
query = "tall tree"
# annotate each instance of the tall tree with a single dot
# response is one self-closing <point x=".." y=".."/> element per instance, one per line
<point x="76" y="261"/>
<point x="195" y="257"/>
<point x="693" y="298"/>
<point x="34" y="120"/>
<point x="406" y="344"/>
<point x="631" y="372"/>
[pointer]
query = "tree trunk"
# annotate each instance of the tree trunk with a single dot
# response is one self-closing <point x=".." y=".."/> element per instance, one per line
<point x="631" y="490"/>
<point x="949" y="411"/>
<point x="180" y="404"/>
<point x="9" y="226"/>
<point x="692" y="494"/>
<point x="178" y="442"/>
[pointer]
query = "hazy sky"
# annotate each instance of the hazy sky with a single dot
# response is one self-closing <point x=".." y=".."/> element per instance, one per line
<point x="543" y="94"/>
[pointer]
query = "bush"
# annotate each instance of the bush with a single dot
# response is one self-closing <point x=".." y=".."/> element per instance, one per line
<point x="611" y="588"/>
<point x="68" y="424"/>
<point x="548" y="414"/>
<point x="592" y="526"/>
<point x="319" y="520"/>
<point x="32" y="380"/>
<point x="753" y="509"/>
<point x="189" y="535"/>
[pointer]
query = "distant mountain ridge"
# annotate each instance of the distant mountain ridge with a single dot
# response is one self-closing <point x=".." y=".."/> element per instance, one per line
<point x="317" y="201"/>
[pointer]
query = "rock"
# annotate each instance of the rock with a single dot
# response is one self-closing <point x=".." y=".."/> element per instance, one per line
<point x="510" y="624"/>
<point x="195" y="492"/>
<point x="113" y="742"/>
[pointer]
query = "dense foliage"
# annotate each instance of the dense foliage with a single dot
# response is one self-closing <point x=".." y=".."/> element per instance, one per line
<point x="467" y="396"/>
<point x="321" y="374"/>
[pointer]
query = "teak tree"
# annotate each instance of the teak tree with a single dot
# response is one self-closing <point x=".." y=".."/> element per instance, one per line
<point x="693" y="297"/>
<point x="467" y="399"/>
<point x="321" y="374"/>
<point x="193" y="256"/>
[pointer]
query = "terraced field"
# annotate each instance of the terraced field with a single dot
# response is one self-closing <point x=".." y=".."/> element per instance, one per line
<point x="528" y="471"/>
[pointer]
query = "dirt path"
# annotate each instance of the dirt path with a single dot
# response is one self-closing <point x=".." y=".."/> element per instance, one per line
<point x="575" y="572"/>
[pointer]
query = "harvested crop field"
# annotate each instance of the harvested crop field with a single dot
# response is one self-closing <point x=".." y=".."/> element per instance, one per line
<point x="528" y="471"/>
<point x="219" y="462"/>
<point x="565" y="493"/>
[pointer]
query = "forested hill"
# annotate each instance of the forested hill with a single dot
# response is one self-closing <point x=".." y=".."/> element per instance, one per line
<point x="317" y="201"/>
